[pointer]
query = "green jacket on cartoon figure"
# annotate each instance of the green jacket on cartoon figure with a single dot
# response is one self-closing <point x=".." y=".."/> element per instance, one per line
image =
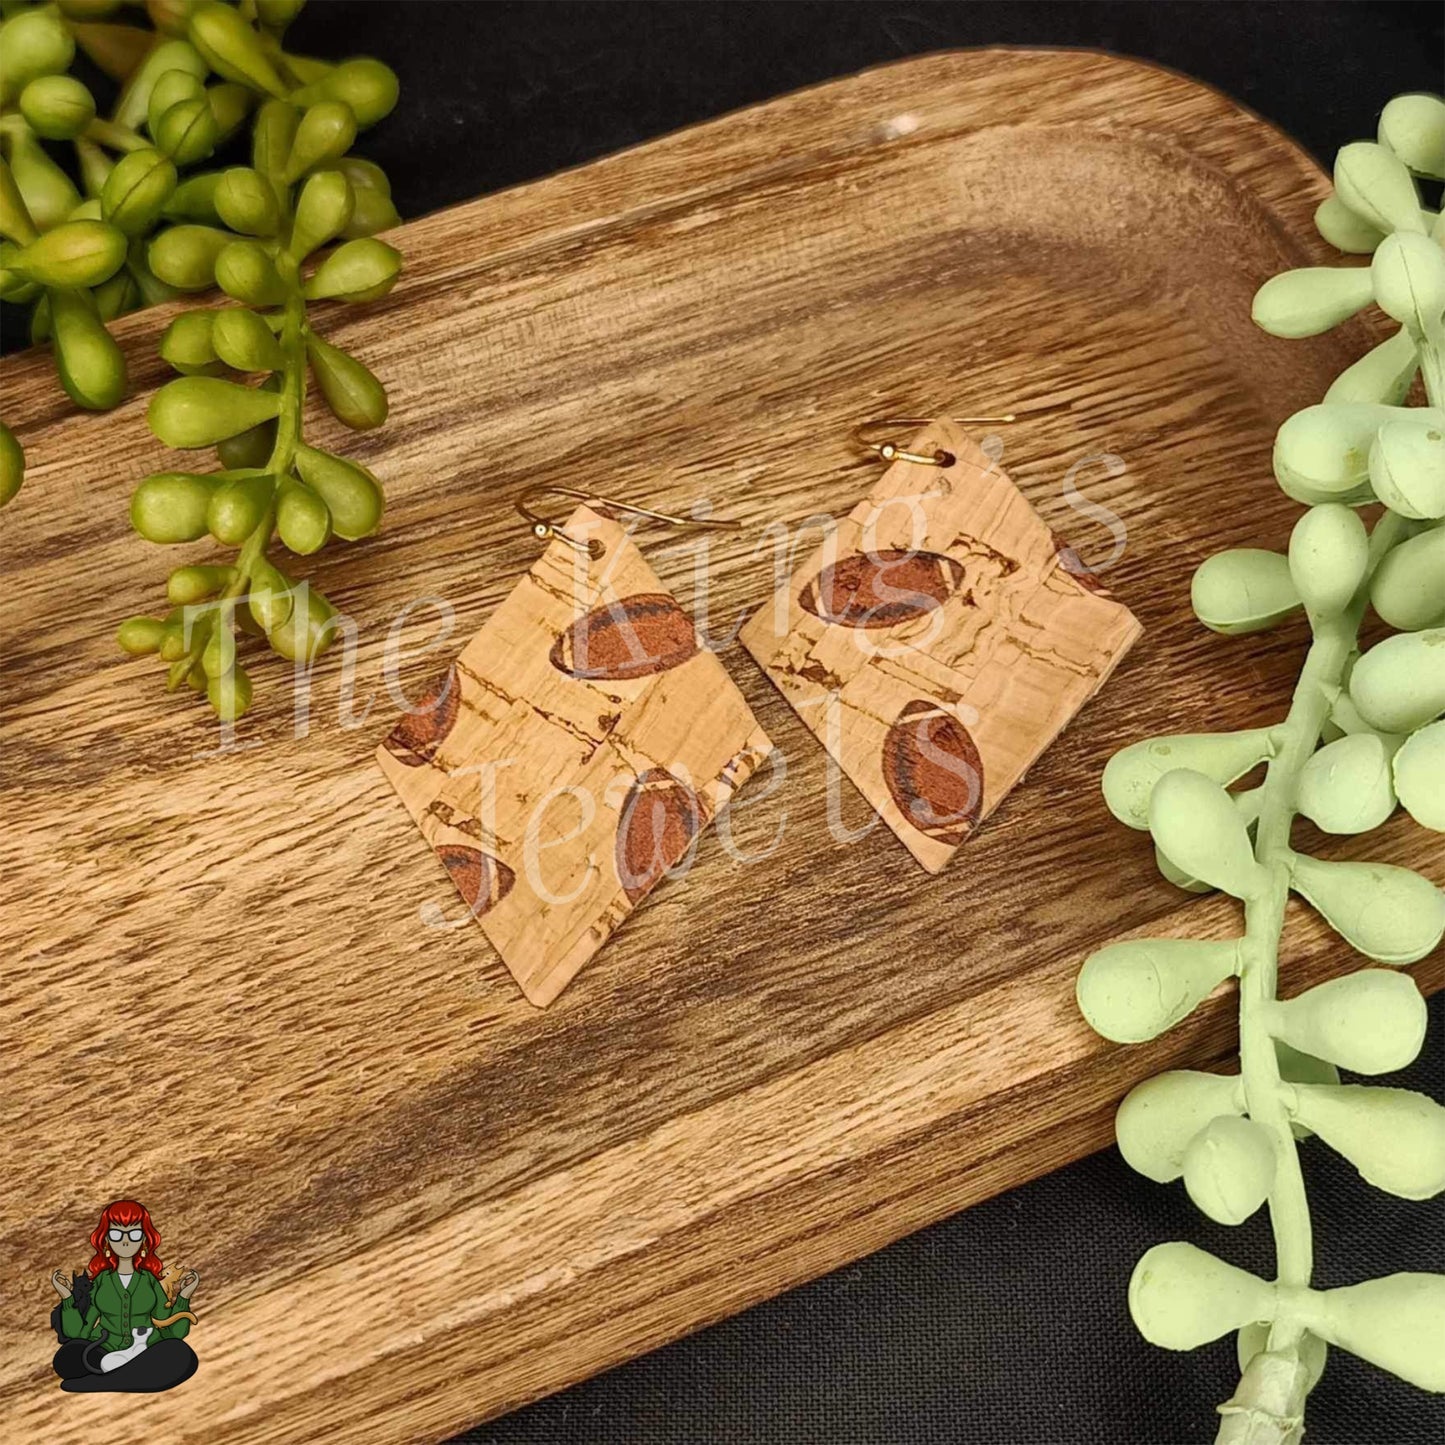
<point x="116" y="1309"/>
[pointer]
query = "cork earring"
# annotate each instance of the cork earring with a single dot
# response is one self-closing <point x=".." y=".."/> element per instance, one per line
<point x="940" y="638"/>
<point x="576" y="749"/>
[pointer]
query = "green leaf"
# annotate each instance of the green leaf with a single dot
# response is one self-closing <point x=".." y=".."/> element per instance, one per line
<point x="1181" y="1297"/>
<point x="1159" y="1117"/>
<point x="1132" y="774"/>
<point x="1394" y="1137"/>
<point x="1199" y="828"/>
<point x="1389" y="914"/>
<point x="199" y="411"/>
<point x="1347" y="787"/>
<point x="1245" y="590"/>
<point x="1399" y="684"/>
<point x="1229" y="1168"/>
<point x="1396" y="1323"/>
<point x="1135" y="990"/>
<point x="1420" y="776"/>
<point x="1371" y="1022"/>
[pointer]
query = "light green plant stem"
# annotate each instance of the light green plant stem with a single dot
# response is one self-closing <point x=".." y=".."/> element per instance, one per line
<point x="1319" y="682"/>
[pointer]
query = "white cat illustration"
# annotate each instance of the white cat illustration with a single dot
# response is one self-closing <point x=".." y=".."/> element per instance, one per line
<point x="116" y="1358"/>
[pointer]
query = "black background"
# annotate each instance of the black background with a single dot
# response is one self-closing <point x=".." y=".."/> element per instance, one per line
<point x="1006" y="1324"/>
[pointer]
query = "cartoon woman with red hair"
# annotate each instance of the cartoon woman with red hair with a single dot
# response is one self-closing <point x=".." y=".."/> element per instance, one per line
<point x="119" y="1329"/>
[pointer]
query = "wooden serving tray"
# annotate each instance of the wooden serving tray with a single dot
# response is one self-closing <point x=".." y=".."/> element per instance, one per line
<point x="414" y="1199"/>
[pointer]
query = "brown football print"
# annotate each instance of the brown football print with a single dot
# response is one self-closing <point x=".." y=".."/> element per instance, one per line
<point x="631" y="637"/>
<point x="422" y="730"/>
<point x="660" y="818"/>
<point x="481" y="879"/>
<point x="881" y="589"/>
<point x="934" y="772"/>
<point x="1077" y="568"/>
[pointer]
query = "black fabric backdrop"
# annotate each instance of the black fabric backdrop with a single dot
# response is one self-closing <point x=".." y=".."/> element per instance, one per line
<point x="1006" y="1324"/>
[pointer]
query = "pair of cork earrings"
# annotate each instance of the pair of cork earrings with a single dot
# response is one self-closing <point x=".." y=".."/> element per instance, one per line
<point x="935" y="643"/>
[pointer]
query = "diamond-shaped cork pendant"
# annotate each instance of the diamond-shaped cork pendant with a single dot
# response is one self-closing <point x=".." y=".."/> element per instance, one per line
<point x="573" y="754"/>
<point x="939" y="641"/>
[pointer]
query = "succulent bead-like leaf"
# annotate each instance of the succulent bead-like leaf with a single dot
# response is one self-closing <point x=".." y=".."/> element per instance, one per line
<point x="12" y="464"/>
<point x="367" y="87"/>
<point x="352" y="495"/>
<point x="1413" y="127"/>
<point x="34" y="42"/>
<point x="1407" y="466"/>
<point x="1132" y="773"/>
<point x="1321" y="454"/>
<point x="1408" y="280"/>
<point x="187" y="131"/>
<point x="185" y="256"/>
<point x="1408" y="587"/>
<point x="1200" y="830"/>
<point x="1134" y="990"/>
<point x="244" y="341"/>
<point x="234" y="49"/>
<point x="361" y="270"/>
<point x="322" y="212"/>
<point x="325" y="133"/>
<point x="91" y="366"/>
<point x="1159" y="1117"/>
<point x="1389" y="914"/>
<point x="1371" y="1022"/>
<point x="57" y="107"/>
<point x="136" y="191"/>
<point x="308" y="630"/>
<point x="1382" y="376"/>
<point x="77" y="253"/>
<point x="1181" y="1297"/>
<point x="1229" y="1168"/>
<point x="246" y="271"/>
<point x="1420" y="776"/>
<point x="246" y="201"/>
<point x="1344" y="230"/>
<point x="1376" y="186"/>
<point x="1347" y="786"/>
<point x="1394" y="1137"/>
<point x="49" y="194"/>
<point x="1396" y="1323"/>
<point x="186" y="344"/>
<point x="350" y="388"/>
<point x="1329" y="554"/>
<point x="1399" y="684"/>
<point x="199" y="411"/>
<point x="1244" y="590"/>
<point x="133" y="106"/>
<point x="171" y="506"/>
<point x="1311" y="300"/>
<point x="194" y="199"/>
<point x="302" y="519"/>
<point x="238" y="507"/>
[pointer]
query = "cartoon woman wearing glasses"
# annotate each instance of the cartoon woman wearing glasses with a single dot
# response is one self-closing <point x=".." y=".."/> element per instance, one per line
<point x="119" y="1329"/>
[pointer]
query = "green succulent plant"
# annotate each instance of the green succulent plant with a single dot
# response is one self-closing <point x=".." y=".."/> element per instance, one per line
<point x="143" y="233"/>
<point x="1363" y="737"/>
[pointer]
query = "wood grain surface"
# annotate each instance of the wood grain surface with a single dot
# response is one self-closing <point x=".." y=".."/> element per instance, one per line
<point x="414" y="1199"/>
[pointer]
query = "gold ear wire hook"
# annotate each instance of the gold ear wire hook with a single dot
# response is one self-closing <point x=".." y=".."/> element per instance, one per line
<point x="544" y="530"/>
<point x="891" y="453"/>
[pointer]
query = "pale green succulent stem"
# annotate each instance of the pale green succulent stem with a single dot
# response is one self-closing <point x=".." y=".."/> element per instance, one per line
<point x="1295" y="740"/>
